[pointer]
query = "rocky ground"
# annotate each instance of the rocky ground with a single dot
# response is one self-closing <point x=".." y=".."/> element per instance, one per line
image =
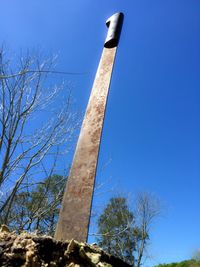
<point x="30" y="250"/>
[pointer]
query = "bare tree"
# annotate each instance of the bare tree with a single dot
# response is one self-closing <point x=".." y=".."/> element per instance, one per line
<point x="147" y="208"/>
<point x="32" y="130"/>
<point x="196" y="255"/>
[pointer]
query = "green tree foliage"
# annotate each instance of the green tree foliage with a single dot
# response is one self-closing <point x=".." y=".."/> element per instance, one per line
<point x="116" y="231"/>
<point x="124" y="233"/>
<point x="186" y="263"/>
<point x="38" y="209"/>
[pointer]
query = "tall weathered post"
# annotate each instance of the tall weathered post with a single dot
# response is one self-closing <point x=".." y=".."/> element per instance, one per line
<point x="75" y="211"/>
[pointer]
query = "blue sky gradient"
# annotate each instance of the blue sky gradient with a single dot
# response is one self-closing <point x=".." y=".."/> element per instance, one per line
<point x="152" y="129"/>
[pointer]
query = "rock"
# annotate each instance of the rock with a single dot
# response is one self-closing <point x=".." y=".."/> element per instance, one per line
<point x="30" y="250"/>
<point x="4" y="228"/>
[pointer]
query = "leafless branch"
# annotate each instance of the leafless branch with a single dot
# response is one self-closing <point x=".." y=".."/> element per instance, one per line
<point x="30" y="129"/>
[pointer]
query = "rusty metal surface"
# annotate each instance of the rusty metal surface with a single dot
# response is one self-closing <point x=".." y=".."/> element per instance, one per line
<point x="76" y="206"/>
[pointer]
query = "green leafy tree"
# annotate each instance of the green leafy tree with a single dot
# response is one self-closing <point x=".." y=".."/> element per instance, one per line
<point x="116" y="231"/>
<point x="125" y="233"/>
<point x="186" y="263"/>
<point x="38" y="209"/>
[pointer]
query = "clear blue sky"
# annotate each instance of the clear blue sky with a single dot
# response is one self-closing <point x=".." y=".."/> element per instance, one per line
<point x="152" y="129"/>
